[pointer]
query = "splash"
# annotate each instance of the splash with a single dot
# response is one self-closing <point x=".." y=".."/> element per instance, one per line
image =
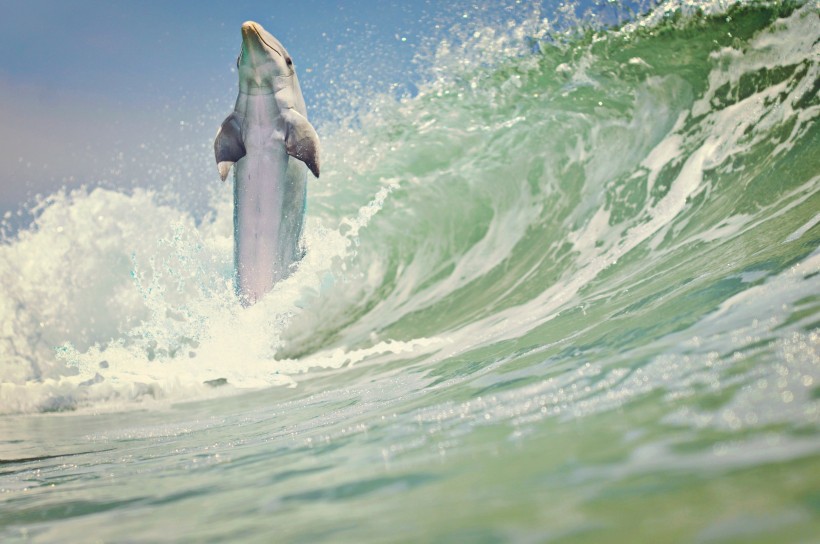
<point x="548" y="178"/>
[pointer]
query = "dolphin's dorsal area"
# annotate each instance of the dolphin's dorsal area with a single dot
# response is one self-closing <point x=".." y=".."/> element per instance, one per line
<point x="270" y="144"/>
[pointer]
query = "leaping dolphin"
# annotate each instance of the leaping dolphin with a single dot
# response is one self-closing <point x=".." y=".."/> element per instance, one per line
<point x="267" y="127"/>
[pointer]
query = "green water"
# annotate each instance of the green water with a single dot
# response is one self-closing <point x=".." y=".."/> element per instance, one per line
<point x="569" y="296"/>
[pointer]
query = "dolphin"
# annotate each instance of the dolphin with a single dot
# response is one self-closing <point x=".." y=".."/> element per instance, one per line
<point x="271" y="145"/>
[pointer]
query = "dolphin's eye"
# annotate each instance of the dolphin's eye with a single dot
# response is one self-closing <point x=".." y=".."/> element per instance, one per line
<point x="238" y="59"/>
<point x="289" y="62"/>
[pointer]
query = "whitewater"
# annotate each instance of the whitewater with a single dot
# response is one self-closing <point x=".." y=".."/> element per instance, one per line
<point x="570" y="292"/>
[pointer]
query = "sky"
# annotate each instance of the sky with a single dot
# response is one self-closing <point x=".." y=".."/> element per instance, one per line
<point x="106" y="92"/>
<point x="130" y="93"/>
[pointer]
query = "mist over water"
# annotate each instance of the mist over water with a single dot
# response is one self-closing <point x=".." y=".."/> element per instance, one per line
<point x="574" y="276"/>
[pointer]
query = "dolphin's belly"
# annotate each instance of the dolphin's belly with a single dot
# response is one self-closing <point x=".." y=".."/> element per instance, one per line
<point x="269" y="205"/>
<point x="270" y="145"/>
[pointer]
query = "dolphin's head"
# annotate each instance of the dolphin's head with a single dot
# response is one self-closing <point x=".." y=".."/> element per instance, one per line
<point x="262" y="62"/>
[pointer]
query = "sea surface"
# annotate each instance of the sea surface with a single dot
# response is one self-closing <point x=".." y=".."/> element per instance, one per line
<point x="569" y="291"/>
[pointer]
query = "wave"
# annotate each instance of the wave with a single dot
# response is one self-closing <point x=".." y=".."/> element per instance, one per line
<point x="544" y="194"/>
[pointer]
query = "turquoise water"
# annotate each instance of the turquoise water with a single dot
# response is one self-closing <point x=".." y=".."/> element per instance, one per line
<point x="569" y="295"/>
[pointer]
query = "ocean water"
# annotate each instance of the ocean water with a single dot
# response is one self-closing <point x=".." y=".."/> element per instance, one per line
<point x="567" y="292"/>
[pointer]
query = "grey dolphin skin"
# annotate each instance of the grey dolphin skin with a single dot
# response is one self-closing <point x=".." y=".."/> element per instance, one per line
<point x="271" y="145"/>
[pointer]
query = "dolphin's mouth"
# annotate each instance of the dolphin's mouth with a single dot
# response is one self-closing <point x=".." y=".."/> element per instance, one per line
<point x="251" y="27"/>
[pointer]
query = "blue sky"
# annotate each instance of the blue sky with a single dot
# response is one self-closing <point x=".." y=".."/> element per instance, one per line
<point x="90" y="88"/>
<point x="122" y="93"/>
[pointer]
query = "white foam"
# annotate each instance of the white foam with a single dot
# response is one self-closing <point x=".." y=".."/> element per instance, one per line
<point x="804" y="229"/>
<point x="138" y="301"/>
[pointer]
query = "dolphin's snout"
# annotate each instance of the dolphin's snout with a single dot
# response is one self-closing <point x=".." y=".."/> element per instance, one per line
<point x="255" y="37"/>
<point x="250" y="30"/>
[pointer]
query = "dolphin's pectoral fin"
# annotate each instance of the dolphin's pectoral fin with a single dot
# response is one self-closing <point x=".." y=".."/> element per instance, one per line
<point x="228" y="145"/>
<point x="301" y="140"/>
